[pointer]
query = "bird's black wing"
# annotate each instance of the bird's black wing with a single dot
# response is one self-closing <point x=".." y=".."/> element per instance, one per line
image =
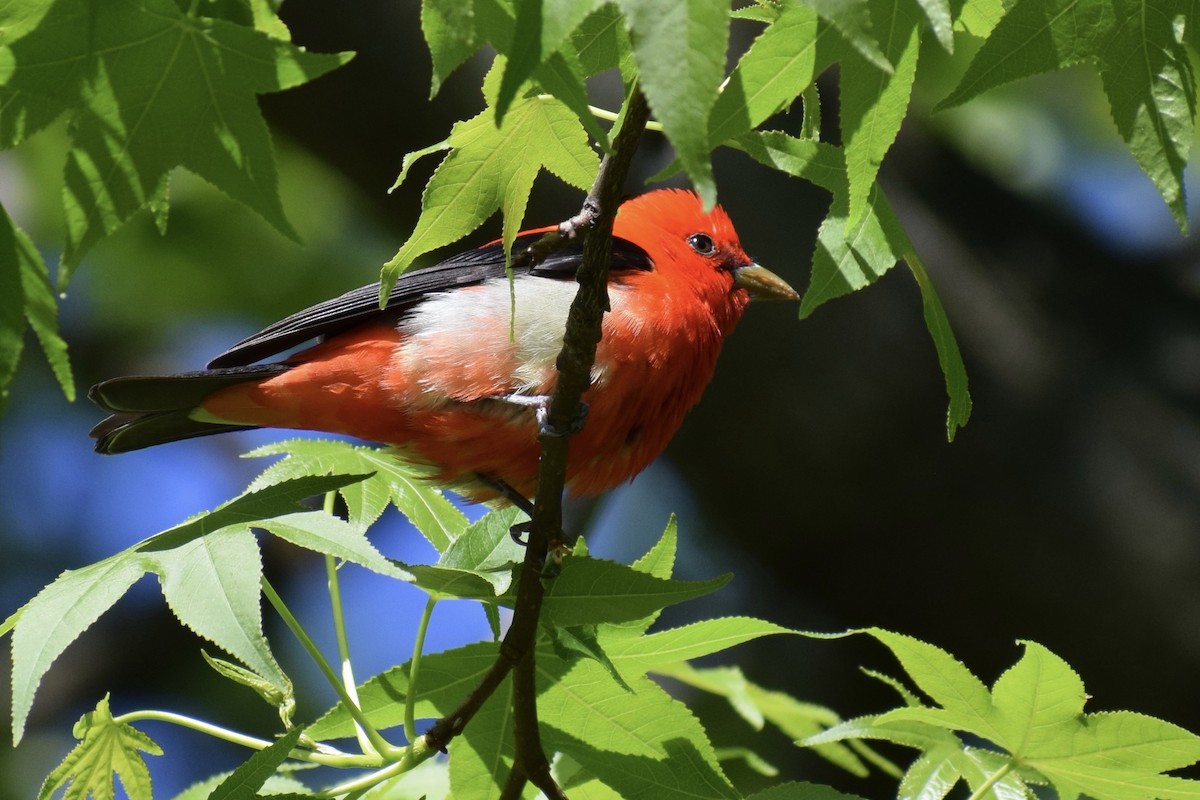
<point x="362" y="305"/>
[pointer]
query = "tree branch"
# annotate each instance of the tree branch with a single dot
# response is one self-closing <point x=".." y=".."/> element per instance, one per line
<point x="545" y="531"/>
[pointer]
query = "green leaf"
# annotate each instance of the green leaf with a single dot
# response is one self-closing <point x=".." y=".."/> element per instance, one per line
<point x="1034" y="719"/>
<point x="26" y="298"/>
<point x="853" y="20"/>
<point x="19" y="17"/>
<point x="939" y="15"/>
<point x="323" y="533"/>
<point x="150" y="88"/>
<point x="801" y="791"/>
<point x="446" y="678"/>
<point x="252" y="506"/>
<point x="679" y="47"/>
<point x="56" y="616"/>
<point x="758" y="706"/>
<point x="591" y="591"/>
<point x="388" y="479"/>
<point x="479" y="564"/>
<point x="60" y="612"/>
<point x="449" y="28"/>
<point x="487" y="549"/>
<point x="850" y="256"/>
<point x="689" y="642"/>
<point x="284" y="701"/>
<point x="579" y="703"/>
<point x="540" y="28"/>
<point x="782" y="62"/>
<point x="491" y="168"/>
<point x="873" y="102"/>
<point x="682" y="772"/>
<point x="1135" y="45"/>
<point x="211" y="584"/>
<point x="106" y="749"/>
<point x="583" y="642"/>
<point x="481" y="758"/>
<point x="275" y="785"/>
<point x="245" y="781"/>
<point x="12" y="305"/>
<point x="601" y="42"/>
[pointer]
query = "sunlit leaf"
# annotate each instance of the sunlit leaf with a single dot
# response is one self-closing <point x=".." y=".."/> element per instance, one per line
<point x="108" y="750"/>
<point x="150" y="88"/>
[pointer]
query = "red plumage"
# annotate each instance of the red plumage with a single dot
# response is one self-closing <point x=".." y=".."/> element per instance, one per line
<point x="435" y="374"/>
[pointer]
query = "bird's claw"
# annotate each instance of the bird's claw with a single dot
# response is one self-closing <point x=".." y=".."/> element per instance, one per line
<point x="547" y="428"/>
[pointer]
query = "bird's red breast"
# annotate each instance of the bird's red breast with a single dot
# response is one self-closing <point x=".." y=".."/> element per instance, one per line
<point x="432" y="379"/>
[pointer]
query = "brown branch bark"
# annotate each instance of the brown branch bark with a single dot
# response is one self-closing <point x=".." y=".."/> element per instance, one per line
<point x="545" y="532"/>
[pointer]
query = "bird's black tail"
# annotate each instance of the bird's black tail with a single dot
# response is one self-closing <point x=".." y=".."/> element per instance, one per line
<point x="155" y="409"/>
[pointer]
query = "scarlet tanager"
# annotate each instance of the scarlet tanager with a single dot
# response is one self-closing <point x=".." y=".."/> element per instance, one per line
<point x="450" y="372"/>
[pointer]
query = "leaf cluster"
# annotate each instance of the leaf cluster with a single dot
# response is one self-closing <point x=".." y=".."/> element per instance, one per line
<point x="1028" y="731"/>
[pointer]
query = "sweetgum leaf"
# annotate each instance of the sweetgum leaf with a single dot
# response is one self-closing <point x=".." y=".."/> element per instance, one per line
<point x="245" y="781"/>
<point x="782" y="62"/>
<point x="491" y="168"/>
<point x="449" y="28"/>
<point x="853" y="20"/>
<point x="852" y="255"/>
<point x="56" y="616"/>
<point x="27" y="299"/>
<point x="149" y="88"/>
<point x="540" y="28"/>
<point x="1137" y="48"/>
<point x="801" y="791"/>
<point x="591" y="591"/>
<point x="386" y="479"/>
<point x="107" y="749"/>
<point x="212" y="586"/>
<point x="873" y="102"/>
<point x="679" y="47"/>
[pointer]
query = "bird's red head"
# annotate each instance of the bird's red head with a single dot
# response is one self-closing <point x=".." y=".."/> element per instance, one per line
<point x="697" y="249"/>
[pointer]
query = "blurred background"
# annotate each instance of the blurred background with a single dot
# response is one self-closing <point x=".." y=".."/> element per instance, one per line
<point x="816" y="468"/>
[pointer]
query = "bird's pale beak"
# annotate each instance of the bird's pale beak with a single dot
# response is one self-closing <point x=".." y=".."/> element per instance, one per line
<point x="762" y="284"/>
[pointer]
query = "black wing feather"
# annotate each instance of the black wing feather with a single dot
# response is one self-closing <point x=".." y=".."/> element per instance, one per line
<point x="361" y="305"/>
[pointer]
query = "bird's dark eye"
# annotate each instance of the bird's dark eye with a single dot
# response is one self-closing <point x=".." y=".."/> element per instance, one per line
<point x="702" y="243"/>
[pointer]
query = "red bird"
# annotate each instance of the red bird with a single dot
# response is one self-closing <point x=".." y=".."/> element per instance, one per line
<point x="448" y="373"/>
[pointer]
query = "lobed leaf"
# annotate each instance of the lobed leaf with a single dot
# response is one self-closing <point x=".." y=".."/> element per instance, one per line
<point x="873" y="101"/>
<point x="326" y="534"/>
<point x="850" y="256"/>
<point x="491" y="168"/>
<point x="27" y="299"/>
<point x="107" y="749"/>
<point x="151" y="88"/>
<point x="56" y="616"/>
<point x="590" y="591"/>
<point x="245" y="781"/>
<point x="853" y="20"/>
<point x="211" y="584"/>
<point x="781" y="63"/>
<point x="679" y="47"/>
<point x="383" y="478"/>
<point x="449" y="28"/>
<point x="1137" y="48"/>
<point x="801" y="791"/>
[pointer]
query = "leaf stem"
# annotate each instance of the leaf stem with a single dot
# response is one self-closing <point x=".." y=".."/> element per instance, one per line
<point x="410" y="699"/>
<point x="339" y="627"/>
<point x="419" y="752"/>
<point x="330" y="757"/>
<point x="982" y="790"/>
<point x="379" y="744"/>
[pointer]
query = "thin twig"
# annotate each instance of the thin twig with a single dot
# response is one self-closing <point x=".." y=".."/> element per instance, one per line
<point x="574" y="365"/>
<point x="574" y="370"/>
